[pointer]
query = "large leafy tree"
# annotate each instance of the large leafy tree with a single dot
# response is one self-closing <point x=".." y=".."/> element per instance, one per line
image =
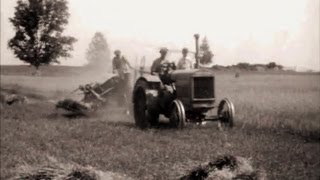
<point x="98" y="53"/>
<point x="207" y="54"/>
<point x="39" y="25"/>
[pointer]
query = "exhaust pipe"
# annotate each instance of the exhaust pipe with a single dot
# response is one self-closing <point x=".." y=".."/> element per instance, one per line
<point x="196" y="36"/>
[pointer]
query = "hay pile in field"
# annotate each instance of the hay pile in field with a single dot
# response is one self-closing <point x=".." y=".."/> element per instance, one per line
<point x="56" y="173"/>
<point x="11" y="99"/>
<point x="66" y="172"/>
<point x="16" y="99"/>
<point x="226" y="168"/>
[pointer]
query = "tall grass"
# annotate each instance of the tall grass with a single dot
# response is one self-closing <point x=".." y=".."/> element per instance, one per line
<point x="285" y="101"/>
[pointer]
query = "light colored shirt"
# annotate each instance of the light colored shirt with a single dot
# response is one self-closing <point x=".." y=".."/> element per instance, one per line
<point x="184" y="63"/>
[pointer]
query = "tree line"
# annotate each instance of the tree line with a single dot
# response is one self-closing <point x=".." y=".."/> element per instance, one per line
<point x="39" y="38"/>
<point x="250" y="67"/>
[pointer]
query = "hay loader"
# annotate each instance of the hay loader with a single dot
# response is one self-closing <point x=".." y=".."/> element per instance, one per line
<point x="95" y="95"/>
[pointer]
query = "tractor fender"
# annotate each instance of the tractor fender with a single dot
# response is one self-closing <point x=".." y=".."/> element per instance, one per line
<point x="150" y="84"/>
<point x="148" y="79"/>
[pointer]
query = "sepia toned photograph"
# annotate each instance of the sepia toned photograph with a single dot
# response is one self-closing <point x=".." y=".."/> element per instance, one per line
<point x="160" y="90"/>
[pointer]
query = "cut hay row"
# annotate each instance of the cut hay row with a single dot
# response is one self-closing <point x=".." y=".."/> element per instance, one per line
<point x="222" y="168"/>
<point x="65" y="172"/>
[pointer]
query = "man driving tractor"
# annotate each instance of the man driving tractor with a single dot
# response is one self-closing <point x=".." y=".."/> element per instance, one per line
<point x="156" y="65"/>
<point x="161" y="67"/>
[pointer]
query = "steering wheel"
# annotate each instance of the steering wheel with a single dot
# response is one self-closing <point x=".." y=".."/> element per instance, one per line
<point x="165" y="68"/>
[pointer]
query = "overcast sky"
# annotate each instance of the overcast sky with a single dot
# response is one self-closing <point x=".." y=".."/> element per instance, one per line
<point x="255" y="31"/>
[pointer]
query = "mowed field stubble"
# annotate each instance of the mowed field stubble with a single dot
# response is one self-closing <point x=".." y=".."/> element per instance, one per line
<point x="277" y="125"/>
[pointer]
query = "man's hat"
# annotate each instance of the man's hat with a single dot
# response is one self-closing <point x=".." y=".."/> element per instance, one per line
<point x="117" y="52"/>
<point x="163" y="50"/>
<point x="185" y="50"/>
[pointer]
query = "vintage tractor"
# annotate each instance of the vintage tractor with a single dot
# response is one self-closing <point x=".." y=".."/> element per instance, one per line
<point x="181" y="96"/>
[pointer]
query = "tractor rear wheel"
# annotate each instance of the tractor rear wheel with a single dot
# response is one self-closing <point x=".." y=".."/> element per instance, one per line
<point x="226" y="113"/>
<point x="177" y="115"/>
<point x="140" y="108"/>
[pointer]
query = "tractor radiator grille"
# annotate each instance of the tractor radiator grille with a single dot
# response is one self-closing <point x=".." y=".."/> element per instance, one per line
<point x="203" y="87"/>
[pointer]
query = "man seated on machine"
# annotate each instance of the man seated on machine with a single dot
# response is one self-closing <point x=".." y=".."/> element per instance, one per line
<point x="161" y="66"/>
<point x="156" y="65"/>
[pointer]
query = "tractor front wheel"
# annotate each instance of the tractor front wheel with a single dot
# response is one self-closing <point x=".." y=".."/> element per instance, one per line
<point x="177" y="115"/>
<point x="226" y="113"/>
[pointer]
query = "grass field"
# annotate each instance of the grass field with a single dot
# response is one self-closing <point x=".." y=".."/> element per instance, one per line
<point x="277" y="126"/>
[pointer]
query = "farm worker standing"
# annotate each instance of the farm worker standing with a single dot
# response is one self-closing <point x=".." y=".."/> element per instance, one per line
<point x="156" y="65"/>
<point x="120" y="64"/>
<point x="120" y="67"/>
<point x="184" y="62"/>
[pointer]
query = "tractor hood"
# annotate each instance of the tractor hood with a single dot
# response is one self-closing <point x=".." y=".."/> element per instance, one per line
<point x="187" y="74"/>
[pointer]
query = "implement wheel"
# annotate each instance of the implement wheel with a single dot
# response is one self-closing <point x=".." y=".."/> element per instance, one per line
<point x="177" y="115"/>
<point x="226" y="113"/>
